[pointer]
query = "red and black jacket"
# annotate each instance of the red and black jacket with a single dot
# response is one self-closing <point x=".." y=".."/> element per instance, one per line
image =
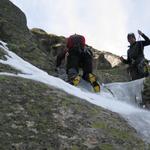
<point x="73" y="41"/>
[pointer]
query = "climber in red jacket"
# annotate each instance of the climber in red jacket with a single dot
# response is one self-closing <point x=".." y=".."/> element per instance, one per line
<point x="78" y="56"/>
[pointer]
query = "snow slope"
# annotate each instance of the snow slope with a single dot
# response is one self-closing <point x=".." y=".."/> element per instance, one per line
<point x="123" y="102"/>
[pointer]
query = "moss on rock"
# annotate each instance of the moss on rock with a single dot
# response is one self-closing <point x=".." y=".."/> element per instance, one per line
<point x="35" y="116"/>
<point x="146" y="93"/>
<point x="116" y="74"/>
<point x="8" y="69"/>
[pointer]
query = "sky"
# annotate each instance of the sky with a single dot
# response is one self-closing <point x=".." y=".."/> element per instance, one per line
<point x="122" y="101"/>
<point x="104" y="23"/>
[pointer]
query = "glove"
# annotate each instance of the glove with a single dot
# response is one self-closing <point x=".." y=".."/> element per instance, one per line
<point x="122" y="59"/>
<point x="57" y="69"/>
<point x="140" y="32"/>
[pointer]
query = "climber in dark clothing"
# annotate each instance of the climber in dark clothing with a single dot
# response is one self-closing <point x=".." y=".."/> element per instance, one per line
<point x="138" y="65"/>
<point x="78" y="55"/>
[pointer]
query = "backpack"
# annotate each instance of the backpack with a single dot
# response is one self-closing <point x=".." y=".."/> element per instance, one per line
<point x="76" y="42"/>
<point x="88" y="51"/>
<point x="143" y="68"/>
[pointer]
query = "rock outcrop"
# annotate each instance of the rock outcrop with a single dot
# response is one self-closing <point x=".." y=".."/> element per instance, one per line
<point x="35" y="116"/>
<point x="37" y="46"/>
<point x="146" y="93"/>
<point x="14" y="31"/>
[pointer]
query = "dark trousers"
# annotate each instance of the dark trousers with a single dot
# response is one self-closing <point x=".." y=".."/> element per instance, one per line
<point x="77" y="60"/>
<point x="138" y="71"/>
<point x="133" y="72"/>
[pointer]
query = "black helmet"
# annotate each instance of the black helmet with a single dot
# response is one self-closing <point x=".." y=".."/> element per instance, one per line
<point x="131" y="35"/>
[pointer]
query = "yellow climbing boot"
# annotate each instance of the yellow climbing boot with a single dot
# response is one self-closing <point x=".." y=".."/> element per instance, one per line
<point x="76" y="80"/>
<point x="96" y="86"/>
<point x="92" y="78"/>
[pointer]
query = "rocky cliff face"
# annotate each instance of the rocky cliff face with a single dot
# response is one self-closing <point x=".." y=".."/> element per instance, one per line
<point x="14" y="31"/>
<point x="146" y="93"/>
<point x="34" y="116"/>
<point x="41" y="48"/>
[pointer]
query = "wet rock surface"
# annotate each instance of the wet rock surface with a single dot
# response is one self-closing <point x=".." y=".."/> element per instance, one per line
<point x="35" y="116"/>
